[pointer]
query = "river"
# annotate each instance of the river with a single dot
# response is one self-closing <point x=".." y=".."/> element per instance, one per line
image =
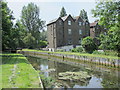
<point x="101" y="77"/>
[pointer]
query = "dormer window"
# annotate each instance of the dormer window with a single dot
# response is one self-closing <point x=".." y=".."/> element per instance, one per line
<point x="69" y="22"/>
<point x="80" y="23"/>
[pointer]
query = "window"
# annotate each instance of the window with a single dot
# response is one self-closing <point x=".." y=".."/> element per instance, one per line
<point x="69" y="41"/>
<point x="80" y="31"/>
<point x="69" y="22"/>
<point x="80" y="23"/>
<point x="69" y="31"/>
<point x="60" y="22"/>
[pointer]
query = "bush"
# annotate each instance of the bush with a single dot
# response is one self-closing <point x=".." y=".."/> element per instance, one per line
<point x="78" y="49"/>
<point x="88" y="44"/>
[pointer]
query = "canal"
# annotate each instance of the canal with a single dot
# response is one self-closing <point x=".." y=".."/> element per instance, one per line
<point x="101" y="77"/>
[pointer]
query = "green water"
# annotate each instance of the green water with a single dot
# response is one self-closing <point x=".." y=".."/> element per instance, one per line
<point x="101" y="77"/>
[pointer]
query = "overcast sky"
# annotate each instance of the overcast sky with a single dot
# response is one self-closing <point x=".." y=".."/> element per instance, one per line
<point x="50" y="9"/>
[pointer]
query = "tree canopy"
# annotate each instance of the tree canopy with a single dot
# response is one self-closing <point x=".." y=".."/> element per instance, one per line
<point x="30" y="19"/>
<point x="7" y="25"/>
<point x="83" y="15"/>
<point x="108" y="12"/>
<point x="63" y="12"/>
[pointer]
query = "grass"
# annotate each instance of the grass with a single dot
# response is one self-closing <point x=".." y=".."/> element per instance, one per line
<point x="75" y="53"/>
<point x="17" y="72"/>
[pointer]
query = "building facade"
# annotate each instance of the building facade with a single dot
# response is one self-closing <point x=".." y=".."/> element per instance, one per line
<point x="67" y="31"/>
<point x="96" y="30"/>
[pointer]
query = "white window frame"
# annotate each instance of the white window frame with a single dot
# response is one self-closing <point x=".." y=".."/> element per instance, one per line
<point x="69" y="31"/>
<point x="80" y="31"/>
<point x="69" y="22"/>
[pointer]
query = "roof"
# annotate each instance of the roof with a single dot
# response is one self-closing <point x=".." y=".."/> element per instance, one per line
<point x="52" y="21"/>
<point x="93" y="24"/>
<point x="64" y="18"/>
<point x="76" y="18"/>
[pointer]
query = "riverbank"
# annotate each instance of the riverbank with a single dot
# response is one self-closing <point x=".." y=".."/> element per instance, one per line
<point x="17" y="72"/>
<point x="91" y="58"/>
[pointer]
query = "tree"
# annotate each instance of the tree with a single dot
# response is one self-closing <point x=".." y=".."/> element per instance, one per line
<point x="83" y="15"/>
<point x="20" y="33"/>
<point x="7" y="25"/>
<point x="63" y="12"/>
<point x="43" y="35"/>
<point x="111" y="41"/>
<point x="108" y="12"/>
<point x="88" y="44"/>
<point x="29" y="41"/>
<point x="30" y="19"/>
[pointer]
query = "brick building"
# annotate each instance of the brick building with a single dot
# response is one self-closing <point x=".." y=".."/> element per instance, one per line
<point x="67" y="32"/>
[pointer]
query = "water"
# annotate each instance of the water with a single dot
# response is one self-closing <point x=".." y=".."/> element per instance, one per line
<point x="101" y="77"/>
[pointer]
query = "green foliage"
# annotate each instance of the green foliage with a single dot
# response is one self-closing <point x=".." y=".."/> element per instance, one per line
<point x="63" y="12"/>
<point x="43" y="35"/>
<point x="29" y="40"/>
<point x="78" y="49"/>
<point x="42" y="44"/>
<point x="7" y="25"/>
<point x="83" y="15"/>
<point x="88" y="44"/>
<point x="111" y="41"/>
<point x="108" y="12"/>
<point x="30" y="19"/>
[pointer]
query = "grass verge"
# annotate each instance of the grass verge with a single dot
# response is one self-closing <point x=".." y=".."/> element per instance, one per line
<point x="17" y="72"/>
<point x="75" y="53"/>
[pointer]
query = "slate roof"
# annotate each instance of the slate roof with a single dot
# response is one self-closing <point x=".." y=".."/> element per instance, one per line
<point x="63" y="18"/>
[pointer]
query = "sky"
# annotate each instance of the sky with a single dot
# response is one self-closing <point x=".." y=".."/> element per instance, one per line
<point x="50" y="9"/>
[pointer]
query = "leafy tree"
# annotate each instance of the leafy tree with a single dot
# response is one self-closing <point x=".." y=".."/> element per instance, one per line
<point x="111" y="41"/>
<point x="20" y="33"/>
<point x="63" y="12"/>
<point x="88" y="44"/>
<point x="7" y="25"/>
<point x="29" y="41"/>
<point x="43" y="35"/>
<point x="83" y="15"/>
<point x="30" y="19"/>
<point x="108" y="12"/>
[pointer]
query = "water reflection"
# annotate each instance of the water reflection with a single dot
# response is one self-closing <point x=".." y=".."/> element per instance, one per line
<point x="100" y="77"/>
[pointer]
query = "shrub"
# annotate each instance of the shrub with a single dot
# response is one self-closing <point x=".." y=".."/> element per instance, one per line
<point x="88" y="44"/>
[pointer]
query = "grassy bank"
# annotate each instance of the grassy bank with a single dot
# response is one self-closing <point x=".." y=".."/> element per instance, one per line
<point x="18" y="73"/>
<point x="75" y="53"/>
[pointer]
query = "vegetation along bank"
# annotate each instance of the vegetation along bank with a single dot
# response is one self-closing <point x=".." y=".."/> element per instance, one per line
<point x="98" y="59"/>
